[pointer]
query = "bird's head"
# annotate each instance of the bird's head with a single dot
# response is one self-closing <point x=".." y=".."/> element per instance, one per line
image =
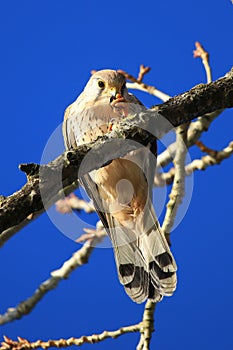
<point x="107" y="86"/>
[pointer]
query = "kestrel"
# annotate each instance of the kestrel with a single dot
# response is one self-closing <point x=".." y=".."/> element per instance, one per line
<point x="122" y="190"/>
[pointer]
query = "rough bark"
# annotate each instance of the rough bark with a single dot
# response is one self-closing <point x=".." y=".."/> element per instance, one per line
<point x="201" y="99"/>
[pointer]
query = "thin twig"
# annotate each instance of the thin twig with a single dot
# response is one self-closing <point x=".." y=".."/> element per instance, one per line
<point x="63" y="343"/>
<point x="204" y="55"/>
<point x="205" y="149"/>
<point x="162" y="179"/>
<point x="209" y="160"/>
<point x="137" y="84"/>
<point x="67" y="204"/>
<point x="91" y="233"/>
<point x="143" y="70"/>
<point x="149" y="89"/>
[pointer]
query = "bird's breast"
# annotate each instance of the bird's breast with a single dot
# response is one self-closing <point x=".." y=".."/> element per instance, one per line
<point x="123" y="187"/>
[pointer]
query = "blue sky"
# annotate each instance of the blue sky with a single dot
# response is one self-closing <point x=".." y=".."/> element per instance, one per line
<point x="48" y="49"/>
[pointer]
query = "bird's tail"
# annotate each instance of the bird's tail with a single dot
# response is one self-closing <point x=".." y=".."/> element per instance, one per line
<point x="144" y="261"/>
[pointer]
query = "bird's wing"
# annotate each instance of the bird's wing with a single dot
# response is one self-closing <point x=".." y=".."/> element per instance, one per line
<point x="68" y="127"/>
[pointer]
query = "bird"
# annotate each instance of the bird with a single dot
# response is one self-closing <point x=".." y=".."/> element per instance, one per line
<point x="121" y="191"/>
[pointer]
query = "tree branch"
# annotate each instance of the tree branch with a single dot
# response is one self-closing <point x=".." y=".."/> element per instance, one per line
<point x="22" y="343"/>
<point x="59" y="177"/>
<point x="178" y="188"/>
<point x="79" y="258"/>
<point x="147" y="327"/>
<point x="196" y="128"/>
<point x="202" y="99"/>
<point x="162" y="179"/>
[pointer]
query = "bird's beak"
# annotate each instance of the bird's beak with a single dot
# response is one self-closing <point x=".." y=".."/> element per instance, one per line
<point x="114" y="93"/>
<point x="116" y="96"/>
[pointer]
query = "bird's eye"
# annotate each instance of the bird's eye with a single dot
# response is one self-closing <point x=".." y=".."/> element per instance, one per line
<point x="101" y="84"/>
